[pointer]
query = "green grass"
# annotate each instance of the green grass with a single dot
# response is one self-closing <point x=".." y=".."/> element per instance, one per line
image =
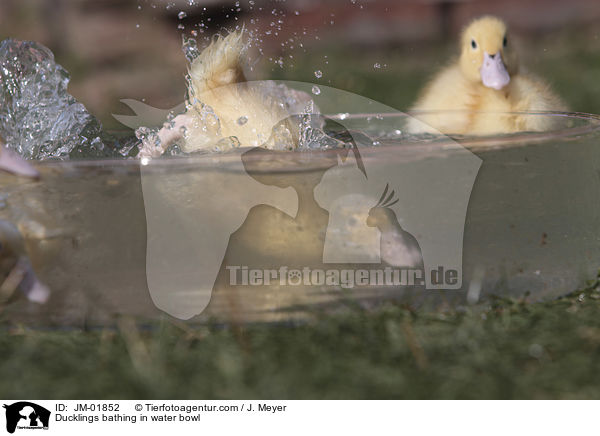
<point x="507" y="349"/>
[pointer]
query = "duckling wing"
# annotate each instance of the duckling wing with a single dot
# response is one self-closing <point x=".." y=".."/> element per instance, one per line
<point x="448" y="92"/>
<point x="531" y="94"/>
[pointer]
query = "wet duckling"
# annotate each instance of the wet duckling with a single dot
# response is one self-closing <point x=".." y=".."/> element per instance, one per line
<point x="485" y="78"/>
<point x="223" y="106"/>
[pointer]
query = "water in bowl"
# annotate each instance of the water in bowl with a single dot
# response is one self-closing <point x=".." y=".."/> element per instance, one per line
<point x="531" y="223"/>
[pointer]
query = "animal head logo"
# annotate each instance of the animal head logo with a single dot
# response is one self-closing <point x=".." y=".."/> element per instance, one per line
<point x="189" y="228"/>
<point x="26" y="415"/>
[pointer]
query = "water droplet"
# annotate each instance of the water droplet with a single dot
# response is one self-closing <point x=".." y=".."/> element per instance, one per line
<point x="242" y="120"/>
<point x="190" y="48"/>
<point x="181" y="15"/>
<point x="318" y="74"/>
<point x="316" y="90"/>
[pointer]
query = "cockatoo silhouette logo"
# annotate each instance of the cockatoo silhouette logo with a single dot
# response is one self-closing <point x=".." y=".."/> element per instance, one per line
<point x="397" y="247"/>
<point x="403" y="208"/>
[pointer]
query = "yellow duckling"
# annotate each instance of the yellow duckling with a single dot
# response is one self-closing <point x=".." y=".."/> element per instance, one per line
<point x="223" y="106"/>
<point x="486" y="78"/>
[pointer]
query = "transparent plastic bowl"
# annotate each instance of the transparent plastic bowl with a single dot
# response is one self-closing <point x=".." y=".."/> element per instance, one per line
<point x="532" y="224"/>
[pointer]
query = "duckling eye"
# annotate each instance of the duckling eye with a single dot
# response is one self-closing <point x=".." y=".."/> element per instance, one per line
<point x="504" y="42"/>
<point x="473" y="44"/>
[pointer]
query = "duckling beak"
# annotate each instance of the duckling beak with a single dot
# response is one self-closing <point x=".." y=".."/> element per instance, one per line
<point x="493" y="72"/>
<point x="13" y="163"/>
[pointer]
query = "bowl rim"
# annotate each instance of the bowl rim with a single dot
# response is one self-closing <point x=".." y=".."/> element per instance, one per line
<point x="442" y="144"/>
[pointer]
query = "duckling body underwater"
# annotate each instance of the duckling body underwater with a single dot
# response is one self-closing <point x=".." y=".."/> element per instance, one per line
<point x="16" y="271"/>
<point x="483" y="91"/>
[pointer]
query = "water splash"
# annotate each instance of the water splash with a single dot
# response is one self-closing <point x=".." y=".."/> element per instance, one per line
<point x="190" y="49"/>
<point x="312" y="135"/>
<point x="39" y="119"/>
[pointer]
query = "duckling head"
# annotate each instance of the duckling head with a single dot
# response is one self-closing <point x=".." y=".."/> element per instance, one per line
<point x="485" y="53"/>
